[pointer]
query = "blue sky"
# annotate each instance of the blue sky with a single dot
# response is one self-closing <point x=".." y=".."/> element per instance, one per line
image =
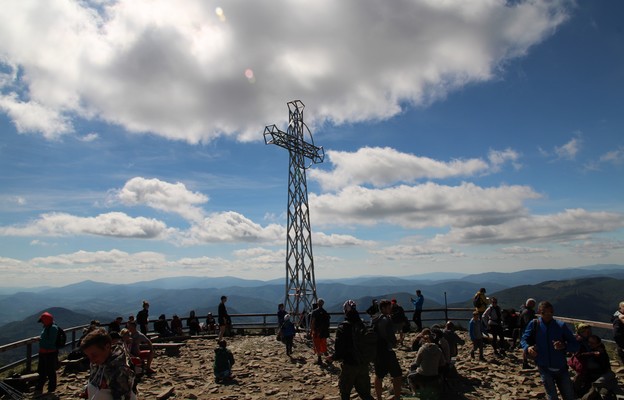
<point x="459" y="136"/>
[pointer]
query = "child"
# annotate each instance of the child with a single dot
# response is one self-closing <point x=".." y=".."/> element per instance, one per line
<point x="288" y="334"/>
<point x="224" y="360"/>
<point x="476" y="335"/>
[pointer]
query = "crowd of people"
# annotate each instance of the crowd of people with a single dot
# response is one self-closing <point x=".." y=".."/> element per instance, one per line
<point x="551" y="345"/>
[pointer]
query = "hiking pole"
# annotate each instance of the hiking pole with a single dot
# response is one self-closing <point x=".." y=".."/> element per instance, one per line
<point x="13" y="393"/>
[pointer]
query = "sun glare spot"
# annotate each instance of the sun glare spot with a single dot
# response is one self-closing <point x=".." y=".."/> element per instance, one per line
<point x="249" y="74"/>
<point x="220" y="13"/>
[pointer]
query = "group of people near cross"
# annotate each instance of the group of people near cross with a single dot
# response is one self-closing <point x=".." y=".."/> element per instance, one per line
<point x="548" y="342"/>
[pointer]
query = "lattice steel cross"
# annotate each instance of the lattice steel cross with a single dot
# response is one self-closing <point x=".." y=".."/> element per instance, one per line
<point x="300" y="281"/>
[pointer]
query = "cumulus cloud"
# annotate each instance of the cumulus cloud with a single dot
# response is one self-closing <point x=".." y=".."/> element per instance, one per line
<point x="520" y="250"/>
<point x="409" y="251"/>
<point x="336" y="240"/>
<point x="114" y="224"/>
<point x="426" y="205"/>
<point x="190" y="73"/>
<point x="386" y="166"/>
<point x="164" y="196"/>
<point x="574" y="224"/>
<point x="232" y="227"/>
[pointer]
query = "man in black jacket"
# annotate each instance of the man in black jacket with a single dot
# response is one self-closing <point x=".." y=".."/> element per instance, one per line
<point x="354" y="371"/>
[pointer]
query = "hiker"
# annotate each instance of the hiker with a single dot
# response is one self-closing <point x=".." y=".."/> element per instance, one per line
<point x="492" y="317"/>
<point x="399" y="319"/>
<point x="354" y="371"/>
<point x="223" y="362"/>
<point x="142" y="317"/>
<point x="373" y="310"/>
<point x="386" y="361"/>
<point x="480" y="301"/>
<point x="452" y="338"/>
<point x="547" y="340"/>
<point x="618" y="331"/>
<point x="115" y="326"/>
<point x="176" y="325"/>
<point x="287" y="334"/>
<point x="475" y="328"/>
<point x="281" y="313"/>
<point x="527" y="315"/>
<point x="426" y="368"/>
<point x="597" y="375"/>
<point x="211" y="323"/>
<point x="112" y="375"/>
<point x="193" y="324"/>
<point x="162" y="327"/>
<point x="137" y="339"/>
<point x="418" y="304"/>
<point x="48" y="354"/>
<point x="319" y="329"/>
<point x="223" y="318"/>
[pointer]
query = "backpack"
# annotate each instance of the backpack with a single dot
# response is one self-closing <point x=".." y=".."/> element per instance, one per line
<point x="364" y="342"/>
<point x="61" y="338"/>
<point x="476" y="301"/>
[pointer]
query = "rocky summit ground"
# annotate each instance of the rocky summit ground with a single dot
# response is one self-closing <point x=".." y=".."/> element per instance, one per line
<point x="263" y="371"/>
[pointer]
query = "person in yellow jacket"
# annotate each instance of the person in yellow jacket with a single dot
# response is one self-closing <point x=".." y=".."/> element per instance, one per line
<point x="480" y="302"/>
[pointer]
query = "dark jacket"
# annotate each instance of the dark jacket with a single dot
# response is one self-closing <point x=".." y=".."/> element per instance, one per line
<point x="344" y="347"/>
<point x="224" y="360"/>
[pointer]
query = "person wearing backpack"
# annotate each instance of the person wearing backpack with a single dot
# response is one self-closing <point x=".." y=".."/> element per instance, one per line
<point x="492" y="317"/>
<point x="354" y="371"/>
<point x="547" y="340"/>
<point x="386" y="361"/>
<point x="48" y="354"/>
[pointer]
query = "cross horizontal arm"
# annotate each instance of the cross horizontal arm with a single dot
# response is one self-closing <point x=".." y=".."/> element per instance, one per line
<point x="289" y="142"/>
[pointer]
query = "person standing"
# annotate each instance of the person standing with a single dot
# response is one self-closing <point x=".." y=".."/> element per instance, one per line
<point x="319" y="328"/>
<point x="223" y="318"/>
<point x="418" y="304"/>
<point x="547" y="340"/>
<point x="480" y="301"/>
<point x="48" y="354"/>
<point x="618" y="330"/>
<point x="354" y="371"/>
<point x="475" y="327"/>
<point x="527" y="315"/>
<point x="287" y="333"/>
<point x="492" y="316"/>
<point x="142" y="317"/>
<point x="386" y="361"/>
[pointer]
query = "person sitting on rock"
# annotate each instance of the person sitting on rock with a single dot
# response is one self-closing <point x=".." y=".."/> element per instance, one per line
<point x="176" y="325"/>
<point x="193" y="324"/>
<point x="223" y="362"/>
<point x="211" y="323"/>
<point x="426" y="367"/>
<point x="135" y="346"/>
<point x="452" y="338"/>
<point x="596" y="375"/>
<point x="162" y="327"/>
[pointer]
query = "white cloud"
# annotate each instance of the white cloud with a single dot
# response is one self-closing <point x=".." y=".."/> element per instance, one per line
<point x="410" y="251"/>
<point x="569" y="150"/>
<point x="576" y="224"/>
<point x="520" y="250"/>
<point x="421" y="206"/>
<point x="499" y="158"/>
<point x="336" y="240"/>
<point x="164" y="196"/>
<point x="89" y="137"/>
<point x="614" y="157"/>
<point x="183" y="72"/>
<point x="386" y="166"/>
<point x="114" y="224"/>
<point x="231" y="227"/>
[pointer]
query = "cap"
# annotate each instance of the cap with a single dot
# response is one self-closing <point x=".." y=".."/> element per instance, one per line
<point x="46" y="318"/>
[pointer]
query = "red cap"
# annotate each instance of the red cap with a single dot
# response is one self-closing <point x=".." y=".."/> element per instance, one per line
<point x="46" y="318"/>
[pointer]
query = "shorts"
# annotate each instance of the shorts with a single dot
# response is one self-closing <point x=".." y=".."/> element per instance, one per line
<point x="387" y="362"/>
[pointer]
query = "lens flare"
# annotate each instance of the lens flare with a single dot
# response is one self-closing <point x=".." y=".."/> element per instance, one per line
<point x="220" y="13"/>
<point x="249" y="74"/>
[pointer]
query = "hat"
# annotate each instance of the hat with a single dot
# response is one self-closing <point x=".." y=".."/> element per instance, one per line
<point x="46" y="318"/>
<point x="393" y="301"/>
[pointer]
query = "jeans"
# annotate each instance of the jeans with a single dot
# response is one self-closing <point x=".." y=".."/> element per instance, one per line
<point x="557" y="379"/>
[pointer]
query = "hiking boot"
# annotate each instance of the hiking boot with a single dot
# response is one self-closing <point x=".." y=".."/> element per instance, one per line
<point x="472" y="354"/>
<point x="526" y="365"/>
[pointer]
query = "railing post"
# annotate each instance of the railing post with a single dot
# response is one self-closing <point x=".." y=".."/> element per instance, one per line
<point x="445" y="309"/>
<point x="29" y="358"/>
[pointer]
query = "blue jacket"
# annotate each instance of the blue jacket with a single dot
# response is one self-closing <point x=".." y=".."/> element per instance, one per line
<point x="545" y="334"/>
<point x="476" y="329"/>
<point x="418" y="303"/>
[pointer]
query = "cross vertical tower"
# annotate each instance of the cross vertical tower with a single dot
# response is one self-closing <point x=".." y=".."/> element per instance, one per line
<point x="300" y="281"/>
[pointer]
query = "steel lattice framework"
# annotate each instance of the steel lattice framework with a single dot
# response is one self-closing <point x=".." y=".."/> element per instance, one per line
<point x="300" y="281"/>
